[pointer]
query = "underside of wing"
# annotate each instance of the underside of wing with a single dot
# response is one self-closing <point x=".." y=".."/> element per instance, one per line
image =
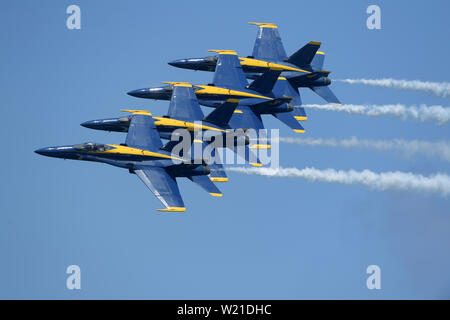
<point x="163" y="186"/>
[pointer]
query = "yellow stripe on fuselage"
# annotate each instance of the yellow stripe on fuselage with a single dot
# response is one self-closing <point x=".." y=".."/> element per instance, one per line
<point x="227" y="92"/>
<point x="269" y="65"/>
<point x="117" y="149"/>
<point x="167" y="122"/>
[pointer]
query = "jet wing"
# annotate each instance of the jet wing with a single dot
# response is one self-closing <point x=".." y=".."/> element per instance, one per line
<point x="163" y="186"/>
<point x="142" y="132"/>
<point x="184" y="104"/>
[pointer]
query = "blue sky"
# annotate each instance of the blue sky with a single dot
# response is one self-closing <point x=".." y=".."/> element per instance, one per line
<point x="267" y="238"/>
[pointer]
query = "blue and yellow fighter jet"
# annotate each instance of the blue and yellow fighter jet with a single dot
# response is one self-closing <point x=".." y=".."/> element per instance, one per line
<point x="142" y="154"/>
<point x="185" y="113"/>
<point x="303" y="69"/>
<point x="269" y="94"/>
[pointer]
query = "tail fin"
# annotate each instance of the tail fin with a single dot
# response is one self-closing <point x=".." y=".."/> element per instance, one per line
<point x="222" y="115"/>
<point x="142" y="132"/>
<point x="229" y="73"/>
<point x="218" y="173"/>
<point x="268" y="45"/>
<point x="205" y="183"/>
<point x="317" y="62"/>
<point x="184" y="104"/>
<point x="265" y="83"/>
<point x="304" y="56"/>
<point x="246" y="119"/>
<point x="327" y="94"/>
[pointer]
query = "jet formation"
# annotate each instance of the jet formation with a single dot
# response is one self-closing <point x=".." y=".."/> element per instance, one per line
<point x="238" y="108"/>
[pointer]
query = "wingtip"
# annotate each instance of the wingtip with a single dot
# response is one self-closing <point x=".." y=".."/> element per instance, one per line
<point x="218" y="179"/>
<point x="256" y="164"/>
<point x="261" y="146"/>
<point x="216" y="194"/>
<point x="173" y="209"/>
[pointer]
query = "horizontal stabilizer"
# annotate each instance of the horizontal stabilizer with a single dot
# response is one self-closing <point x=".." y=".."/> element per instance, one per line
<point x="265" y="83"/>
<point x="304" y="56"/>
<point x="205" y="183"/>
<point x="222" y="115"/>
<point x="288" y="119"/>
<point x="300" y="114"/>
<point x="326" y="94"/>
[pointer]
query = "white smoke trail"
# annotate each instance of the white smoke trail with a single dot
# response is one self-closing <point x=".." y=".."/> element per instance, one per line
<point x="440" y="89"/>
<point x="409" y="147"/>
<point x="437" y="183"/>
<point x="439" y="114"/>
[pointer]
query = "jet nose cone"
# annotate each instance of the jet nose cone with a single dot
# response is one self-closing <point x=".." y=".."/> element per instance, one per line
<point x="88" y="124"/>
<point x="139" y="93"/>
<point x="177" y="63"/>
<point x="43" y="151"/>
<point x="133" y="93"/>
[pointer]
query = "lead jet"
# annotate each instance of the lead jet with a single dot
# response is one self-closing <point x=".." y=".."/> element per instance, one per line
<point x="142" y="154"/>
<point x="185" y="113"/>
<point x="303" y="69"/>
<point x="229" y="76"/>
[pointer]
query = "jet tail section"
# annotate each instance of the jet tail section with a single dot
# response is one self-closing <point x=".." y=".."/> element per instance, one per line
<point x="265" y="83"/>
<point x="268" y="45"/>
<point x="305" y="55"/>
<point x="218" y="173"/>
<point x="326" y="93"/>
<point x="205" y="183"/>
<point x="229" y="73"/>
<point x="289" y="119"/>
<point x="222" y="115"/>
<point x="318" y="60"/>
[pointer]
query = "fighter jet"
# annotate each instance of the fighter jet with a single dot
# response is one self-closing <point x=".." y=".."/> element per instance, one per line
<point x="303" y="69"/>
<point x="185" y="113"/>
<point x="229" y="76"/>
<point x="142" y="154"/>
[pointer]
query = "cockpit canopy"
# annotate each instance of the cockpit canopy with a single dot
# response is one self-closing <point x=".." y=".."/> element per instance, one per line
<point x="92" y="147"/>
